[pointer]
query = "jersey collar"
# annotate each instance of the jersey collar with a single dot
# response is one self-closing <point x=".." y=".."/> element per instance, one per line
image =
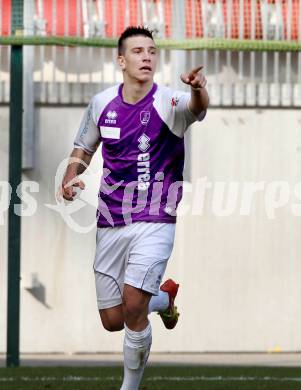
<point x="140" y="102"/>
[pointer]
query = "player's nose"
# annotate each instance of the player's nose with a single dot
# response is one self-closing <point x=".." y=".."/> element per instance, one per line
<point x="146" y="56"/>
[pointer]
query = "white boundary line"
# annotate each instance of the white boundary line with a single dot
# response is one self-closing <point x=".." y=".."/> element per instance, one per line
<point x="72" y="378"/>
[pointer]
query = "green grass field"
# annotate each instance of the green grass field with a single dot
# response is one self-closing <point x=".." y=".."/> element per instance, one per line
<point x="163" y="377"/>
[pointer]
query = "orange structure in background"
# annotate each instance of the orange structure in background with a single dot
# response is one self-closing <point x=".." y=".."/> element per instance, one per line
<point x="5" y="17"/>
<point x="58" y="28"/>
<point x="114" y="22"/>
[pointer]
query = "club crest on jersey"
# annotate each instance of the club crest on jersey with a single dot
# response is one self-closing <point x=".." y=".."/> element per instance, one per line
<point x="174" y="101"/>
<point x="111" y="117"/>
<point x="144" y="117"/>
<point x="143" y="142"/>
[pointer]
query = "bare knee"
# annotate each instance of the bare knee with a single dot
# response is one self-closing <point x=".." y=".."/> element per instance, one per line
<point x="111" y="326"/>
<point x="135" y="307"/>
<point x="112" y="318"/>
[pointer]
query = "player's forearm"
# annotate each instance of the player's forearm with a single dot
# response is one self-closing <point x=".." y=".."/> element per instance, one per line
<point x="78" y="162"/>
<point x="199" y="100"/>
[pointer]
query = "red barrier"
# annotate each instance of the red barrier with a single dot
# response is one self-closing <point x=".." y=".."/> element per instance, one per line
<point x="62" y="11"/>
<point x="5" y="16"/>
<point x="193" y="13"/>
<point x="294" y="21"/>
<point x="198" y="19"/>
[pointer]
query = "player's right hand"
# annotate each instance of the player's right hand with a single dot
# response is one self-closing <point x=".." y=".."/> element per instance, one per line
<point x="67" y="189"/>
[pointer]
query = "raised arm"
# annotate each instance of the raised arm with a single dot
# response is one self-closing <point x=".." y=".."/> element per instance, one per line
<point x="199" y="100"/>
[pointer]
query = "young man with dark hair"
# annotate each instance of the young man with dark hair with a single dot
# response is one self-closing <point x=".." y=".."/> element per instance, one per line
<point x="141" y="127"/>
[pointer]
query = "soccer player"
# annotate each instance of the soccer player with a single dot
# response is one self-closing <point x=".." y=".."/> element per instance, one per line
<point x="141" y="127"/>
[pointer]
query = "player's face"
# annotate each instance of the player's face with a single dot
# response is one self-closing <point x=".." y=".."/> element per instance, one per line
<point x="139" y="58"/>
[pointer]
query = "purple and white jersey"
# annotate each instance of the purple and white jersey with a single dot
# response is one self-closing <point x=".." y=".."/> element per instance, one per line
<point x="143" y="153"/>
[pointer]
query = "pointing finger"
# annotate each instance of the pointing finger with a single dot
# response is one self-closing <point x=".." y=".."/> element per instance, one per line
<point x="195" y="70"/>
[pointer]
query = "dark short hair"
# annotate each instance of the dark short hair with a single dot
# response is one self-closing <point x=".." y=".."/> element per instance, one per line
<point x="130" y="32"/>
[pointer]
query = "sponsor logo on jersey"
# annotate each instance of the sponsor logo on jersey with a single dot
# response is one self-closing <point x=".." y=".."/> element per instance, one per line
<point x="174" y="101"/>
<point x="110" y="132"/>
<point x="143" y="163"/>
<point x="111" y="117"/>
<point x="143" y="142"/>
<point x="143" y="169"/>
<point x="144" y="117"/>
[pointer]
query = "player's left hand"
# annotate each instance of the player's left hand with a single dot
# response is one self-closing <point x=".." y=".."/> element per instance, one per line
<point x="194" y="78"/>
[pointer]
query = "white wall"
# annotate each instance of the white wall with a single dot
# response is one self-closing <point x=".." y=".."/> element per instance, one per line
<point x="239" y="275"/>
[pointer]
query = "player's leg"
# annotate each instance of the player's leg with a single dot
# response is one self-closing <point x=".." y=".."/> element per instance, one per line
<point x="112" y="318"/>
<point x="153" y="250"/>
<point x="135" y="307"/>
<point x="111" y="250"/>
<point x="158" y="302"/>
<point x="138" y="335"/>
<point x="109" y="301"/>
<point x="150" y="249"/>
<point x="164" y="304"/>
<point x="109" y="269"/>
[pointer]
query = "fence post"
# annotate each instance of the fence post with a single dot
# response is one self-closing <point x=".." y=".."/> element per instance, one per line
<point x="15" y="171"/>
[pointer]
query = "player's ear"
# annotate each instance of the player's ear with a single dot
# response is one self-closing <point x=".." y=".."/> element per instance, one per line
<point x="121" y="61"/>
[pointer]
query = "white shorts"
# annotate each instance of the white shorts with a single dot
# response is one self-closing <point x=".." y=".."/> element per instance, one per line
<point x="135" y="254"/>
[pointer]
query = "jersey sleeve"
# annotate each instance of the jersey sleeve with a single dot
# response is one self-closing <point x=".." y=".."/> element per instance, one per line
<point x="175" y="112"/>
<point x="88" y="136"/>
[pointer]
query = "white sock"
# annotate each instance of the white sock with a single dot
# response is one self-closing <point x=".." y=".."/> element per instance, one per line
<point x="136" y="348"/>
<point x="158" y="302"/>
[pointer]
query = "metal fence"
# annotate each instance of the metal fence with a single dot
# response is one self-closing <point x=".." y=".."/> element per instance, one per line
<point x="72" y="75"/>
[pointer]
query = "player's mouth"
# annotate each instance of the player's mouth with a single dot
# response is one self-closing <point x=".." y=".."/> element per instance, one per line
<point x="146" y="68"/>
